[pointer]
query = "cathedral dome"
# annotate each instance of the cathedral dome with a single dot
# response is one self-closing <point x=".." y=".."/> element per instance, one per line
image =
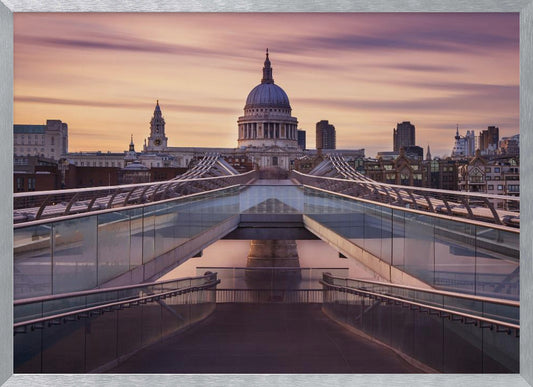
<point x="267" y="94"/>
<point x="267" y="122"/>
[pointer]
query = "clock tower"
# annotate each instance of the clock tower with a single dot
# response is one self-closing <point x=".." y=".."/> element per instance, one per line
<point x="157" y="140"/>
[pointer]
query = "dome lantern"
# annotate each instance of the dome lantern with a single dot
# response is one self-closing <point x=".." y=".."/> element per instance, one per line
<point x="267" y="71"/>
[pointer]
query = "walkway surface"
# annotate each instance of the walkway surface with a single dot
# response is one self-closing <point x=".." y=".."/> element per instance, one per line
<point x="266" y="338"/>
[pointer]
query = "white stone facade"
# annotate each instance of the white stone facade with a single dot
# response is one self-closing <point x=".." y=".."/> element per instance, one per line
<point x="49" y="141"/>
<point x="267" y="120"/>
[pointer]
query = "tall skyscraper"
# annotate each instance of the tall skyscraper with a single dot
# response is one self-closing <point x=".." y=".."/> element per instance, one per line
<point x="301" y="139"/>
<point x="325" y="135"/>
<point x="403" y="135"/>
<point x="489" y="139"/>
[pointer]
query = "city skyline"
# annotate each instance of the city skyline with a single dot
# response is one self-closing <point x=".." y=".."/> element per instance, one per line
<point x="362" y="72"/>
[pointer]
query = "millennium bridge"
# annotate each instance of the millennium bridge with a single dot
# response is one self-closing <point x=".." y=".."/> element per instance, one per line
<point x="89" y="296"/>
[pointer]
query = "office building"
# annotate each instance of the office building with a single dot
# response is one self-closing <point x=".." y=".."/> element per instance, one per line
<point x="47" y="141"/>
<point x="301" y="139"/>
<point x="325" y="135"/>
<point x="403" y="135"/>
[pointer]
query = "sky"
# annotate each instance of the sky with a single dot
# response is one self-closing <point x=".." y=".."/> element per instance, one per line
<point x="364" y="72"/>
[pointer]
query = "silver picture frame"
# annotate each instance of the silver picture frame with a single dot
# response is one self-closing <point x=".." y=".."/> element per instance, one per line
<point x="8" y="7"/>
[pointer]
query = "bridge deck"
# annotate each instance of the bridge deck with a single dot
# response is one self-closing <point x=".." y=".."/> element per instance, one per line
<point x="267" y="338"/>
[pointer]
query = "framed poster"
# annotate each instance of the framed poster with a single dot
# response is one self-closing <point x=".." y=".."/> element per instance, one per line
<point x="525" y="8"/>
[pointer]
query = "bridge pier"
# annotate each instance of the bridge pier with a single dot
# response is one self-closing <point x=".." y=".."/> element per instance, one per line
<point x="265" y="254"/>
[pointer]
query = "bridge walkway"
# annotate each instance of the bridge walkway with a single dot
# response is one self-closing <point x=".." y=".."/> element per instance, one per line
<point x="266" y="338"/>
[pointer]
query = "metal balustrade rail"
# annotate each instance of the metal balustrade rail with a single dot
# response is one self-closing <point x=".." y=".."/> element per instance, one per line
<point x="498" y="209"/>
<point x="62" y="318"/>
<point x="493" y="309"/>
<point x="450" y="314"/>
<point x="450" y="337"/>
<point x="89" y="339"/>
<point x="269" y="296"/>
<point x="31" y="206"/>
<point x="42" y="307"/>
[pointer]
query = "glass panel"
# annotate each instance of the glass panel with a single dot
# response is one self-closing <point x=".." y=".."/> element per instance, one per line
<point x="113" y="245"/>
<point x="151" y="322"/>
<point x="101" y="298"/>
<point x="381" y="318"/>
<point x="63" y="305"/>
<point x="27" y="312"/>
<point x="129" y="330"/>
<point x="74" y="255"/>
<point x="428" y="337"/>
<point x="148" y="234"/>
<point x="386" y="234"/>
<point x="419" y="256"/>
<point x="455" y="256"/>
<point x="136" y="240"/>
<point x="402" y="330"/>
<point x="32" y="265"/>
<point x="398" y="238"/>
<point x="166" y="236"/>
<point x="461" y="347"/>
<point x="27" y="351"/>
<point x="501" y="352"/>
<point x="497" y="263"/>
<point x="372" y="222"/>
<point x="63" y="347"/>
<point x="101" y="340"/>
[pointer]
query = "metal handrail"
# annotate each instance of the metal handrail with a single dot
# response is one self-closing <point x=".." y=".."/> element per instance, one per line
<point x="107" y="210"/>
<point x="124" y="186"/>
<point x="431" y="291"/>
<point x="81" y="293"/>
<point x="144" y="299"/>
<point x="420" y="212"/>
<point x="412" y="188"/>
<point x="422" y="198"/>
<point x="271" y="267"/>
<point x="30" y="206"/>
<point x="442" y="312"/>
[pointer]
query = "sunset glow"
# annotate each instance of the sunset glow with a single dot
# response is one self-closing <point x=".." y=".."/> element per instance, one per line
<point x="102" y="73"/>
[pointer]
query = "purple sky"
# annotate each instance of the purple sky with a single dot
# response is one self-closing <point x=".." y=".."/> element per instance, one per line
<point x="101" y="73"/>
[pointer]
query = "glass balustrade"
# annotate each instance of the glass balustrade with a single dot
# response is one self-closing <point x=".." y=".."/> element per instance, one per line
<point x="435" y="337"/>
<point x="85" y="341"/>
<point x="86" y="251"/>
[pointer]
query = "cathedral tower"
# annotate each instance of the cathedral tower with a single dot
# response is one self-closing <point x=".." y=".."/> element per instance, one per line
<point x="157" y="140"/>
